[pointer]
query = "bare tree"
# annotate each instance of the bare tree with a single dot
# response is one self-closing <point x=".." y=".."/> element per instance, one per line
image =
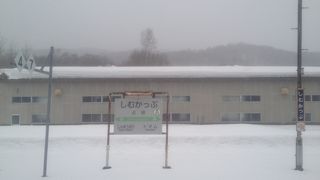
<point x="2" y="43"/>
<point x="148" y="40"/>
<point x="147" y="56"/>
<point x="27" y="50"/>
<point x="3" y="58"/>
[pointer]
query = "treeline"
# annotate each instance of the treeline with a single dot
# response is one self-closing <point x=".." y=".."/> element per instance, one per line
<point x="146" y="56"/>
<point x="60" y="59"/>
<point x="70" y="59"/>
<point x="135" y="58"/>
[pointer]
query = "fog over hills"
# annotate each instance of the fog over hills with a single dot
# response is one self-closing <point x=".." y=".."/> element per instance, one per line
<point x="232" y="54"/>
<point x="242" y="54"/>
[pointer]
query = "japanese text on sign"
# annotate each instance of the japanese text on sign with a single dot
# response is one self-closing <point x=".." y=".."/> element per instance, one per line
<point x="300" y="96"/>
<point x="138" y="116"/>
<point x="138" y="104"/>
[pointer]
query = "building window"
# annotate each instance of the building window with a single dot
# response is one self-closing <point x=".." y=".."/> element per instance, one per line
<point x="107" y="117"/>
<point x="39" y="118"/>
<point x="16" y="99"/>
<point x="312" y="98"/>
<point x="231" y="117"/>
<point x="307" y="116"/>
<point x="106" y="98"/>
<point x="38" y="99"/>
<point x="164" y="117"/>
<point x="24" y="99"/>
<point x="307" y="98"/>
<point x="96" y="117"/>
<point x="180" y="117"/>
<point x="181" y="98"/>
<point x="250" y="98"/>
<point x="86" y="118"/>
<point x="91" y="99"/>
<point x="91" y="118"/>
<point x="15" y="119"/>
<point x="251" y="117"/>
<point x="231" y="98"/>
<point x="315" y="97"/>
<point x="244" y="98"/>
<point x="86" y="99"/>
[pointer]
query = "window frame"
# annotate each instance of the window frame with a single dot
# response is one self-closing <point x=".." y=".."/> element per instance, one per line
<point x="181" y="98"/>
<point x="251" y="117"/>
<point x="250" y="98"/>
<point x="91" y="119"/>
<point x="179" y="117"/>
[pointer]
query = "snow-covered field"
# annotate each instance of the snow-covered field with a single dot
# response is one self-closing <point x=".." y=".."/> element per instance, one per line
<point x="203" y="152"/>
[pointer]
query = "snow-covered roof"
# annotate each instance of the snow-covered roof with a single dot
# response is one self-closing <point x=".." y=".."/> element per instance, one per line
<point x="114" y="72"/>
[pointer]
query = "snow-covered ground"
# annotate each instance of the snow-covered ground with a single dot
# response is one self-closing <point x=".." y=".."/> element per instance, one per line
<point x="203" y="152"/>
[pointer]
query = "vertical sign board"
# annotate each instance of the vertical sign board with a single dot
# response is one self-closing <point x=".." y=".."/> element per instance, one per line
<point x="300" y="108"/>
<point x="136" y="115"/>
<point x="20" y="61"/>
<point x="31" y="63"/>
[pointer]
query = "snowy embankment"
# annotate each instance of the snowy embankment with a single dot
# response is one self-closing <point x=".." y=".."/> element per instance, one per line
<point x="225" y="152"/>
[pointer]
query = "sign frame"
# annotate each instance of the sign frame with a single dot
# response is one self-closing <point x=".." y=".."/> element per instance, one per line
<point x="139" y="94"/>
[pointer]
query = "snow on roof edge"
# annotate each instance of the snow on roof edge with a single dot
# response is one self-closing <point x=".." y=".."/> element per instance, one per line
<point x="154" y="72"/>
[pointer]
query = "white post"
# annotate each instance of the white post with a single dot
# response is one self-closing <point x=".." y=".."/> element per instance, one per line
<point x="107" y="158"/>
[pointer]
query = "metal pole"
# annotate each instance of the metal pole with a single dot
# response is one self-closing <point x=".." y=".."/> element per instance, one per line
<point x="299" y="47"/>
<point x="48" y="114"/>
<point x="166" y="166"/>
<point x="299" y="145"/>
<point x="108" y="135"/>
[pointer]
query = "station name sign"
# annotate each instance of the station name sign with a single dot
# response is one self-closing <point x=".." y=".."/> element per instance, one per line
<point x="138" y="115"/>
<point x="300" y="108"/>
<point x="300" y="97"/>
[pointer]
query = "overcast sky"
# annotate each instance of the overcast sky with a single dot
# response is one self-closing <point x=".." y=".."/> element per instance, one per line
<point x="177" y="24"/>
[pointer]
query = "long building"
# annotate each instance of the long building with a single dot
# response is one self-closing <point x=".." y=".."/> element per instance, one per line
<point x="198" y="95"/>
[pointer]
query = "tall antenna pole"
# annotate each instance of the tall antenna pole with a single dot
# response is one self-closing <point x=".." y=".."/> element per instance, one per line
<point x="300" y="95"/>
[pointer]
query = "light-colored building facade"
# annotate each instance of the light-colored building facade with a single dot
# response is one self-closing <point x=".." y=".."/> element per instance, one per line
<point x="198" y="95"/>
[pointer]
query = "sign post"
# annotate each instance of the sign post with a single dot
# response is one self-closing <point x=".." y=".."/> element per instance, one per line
<point x="300" y="95"/>
<point x="136" y="113"/>
<point x="300" y="127"/>
<point x="30" y="65"/>
<point x="166" y="166"/>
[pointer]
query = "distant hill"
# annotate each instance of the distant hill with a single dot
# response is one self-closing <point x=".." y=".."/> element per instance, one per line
<point x="241" y="54"/>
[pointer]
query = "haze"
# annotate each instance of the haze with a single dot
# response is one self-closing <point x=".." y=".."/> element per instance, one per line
<point x="116" y="25"/>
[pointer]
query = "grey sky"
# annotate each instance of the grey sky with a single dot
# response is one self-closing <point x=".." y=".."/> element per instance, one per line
<point x="177" y="24"/>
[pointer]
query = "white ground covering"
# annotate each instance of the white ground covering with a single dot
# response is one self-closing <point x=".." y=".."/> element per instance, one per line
<point x="222" y="152"/>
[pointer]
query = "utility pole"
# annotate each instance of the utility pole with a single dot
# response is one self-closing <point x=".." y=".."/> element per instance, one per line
<point x="48" y="114"/>
<point x="300" y="95"/>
